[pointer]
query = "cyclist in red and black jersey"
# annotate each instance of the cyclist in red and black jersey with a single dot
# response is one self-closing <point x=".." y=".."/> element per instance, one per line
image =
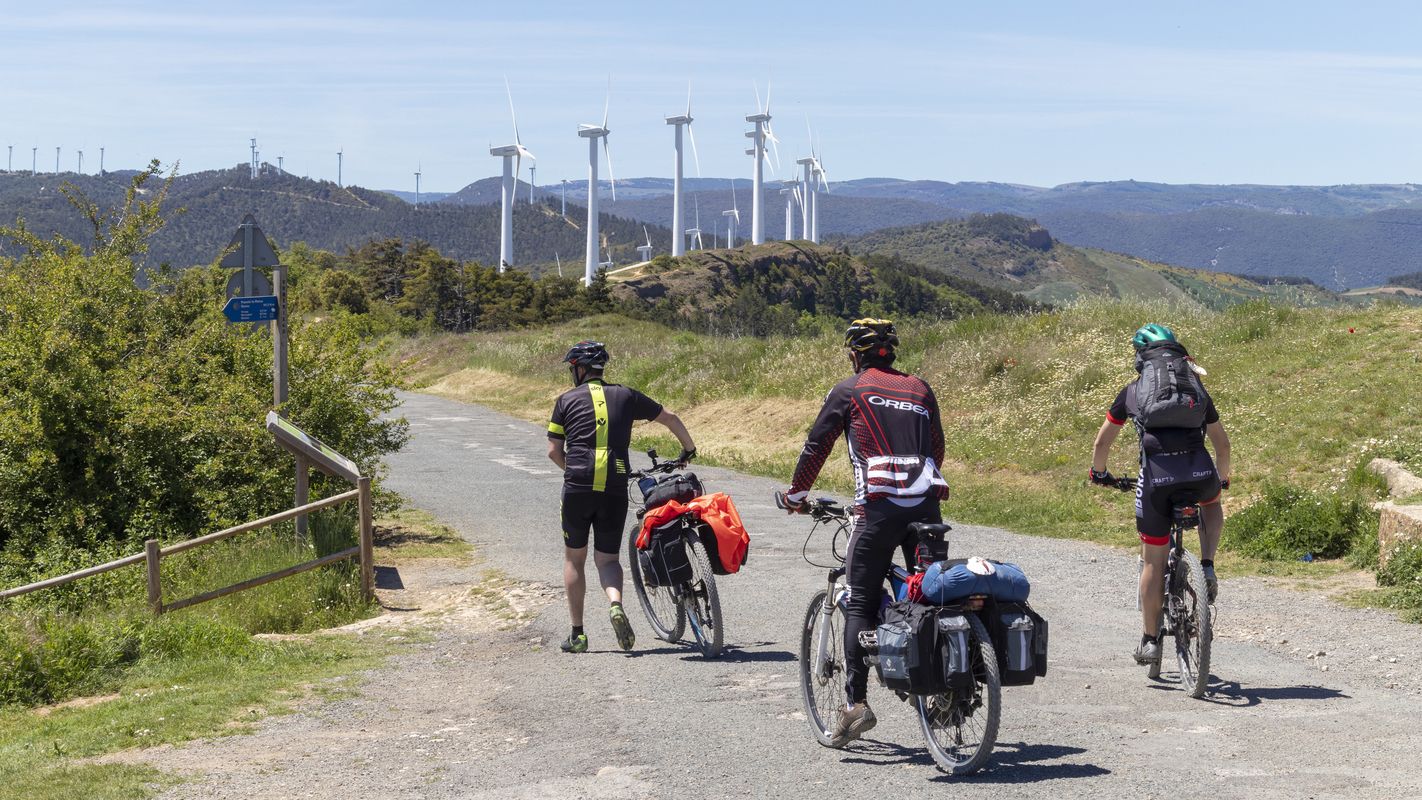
<point x="588" y="438"/>
<point x="895" y="438"/>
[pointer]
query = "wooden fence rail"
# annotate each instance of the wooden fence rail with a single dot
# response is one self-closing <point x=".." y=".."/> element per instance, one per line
<point x="153" y="553"/>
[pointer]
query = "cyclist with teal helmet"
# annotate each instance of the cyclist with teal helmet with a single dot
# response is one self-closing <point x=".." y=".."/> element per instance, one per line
<point x="1175" y="467"/>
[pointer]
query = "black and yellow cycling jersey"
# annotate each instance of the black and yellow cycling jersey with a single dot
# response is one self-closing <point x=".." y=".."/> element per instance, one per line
<point x="595" y="422"/>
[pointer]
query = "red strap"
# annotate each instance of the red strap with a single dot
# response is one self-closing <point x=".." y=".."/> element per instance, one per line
<point x="915" y="587"/>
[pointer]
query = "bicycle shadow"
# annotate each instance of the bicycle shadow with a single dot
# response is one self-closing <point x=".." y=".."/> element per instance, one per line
<point x="741" y="654"/>
<point x="1011" y="763"/>
<point x="1236" y="695"/>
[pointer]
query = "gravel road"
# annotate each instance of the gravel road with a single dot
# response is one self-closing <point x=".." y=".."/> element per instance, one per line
<point x="1311" y="699"/>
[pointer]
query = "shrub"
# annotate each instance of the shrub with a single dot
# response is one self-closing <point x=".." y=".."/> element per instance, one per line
<point x="1290" y="523"/>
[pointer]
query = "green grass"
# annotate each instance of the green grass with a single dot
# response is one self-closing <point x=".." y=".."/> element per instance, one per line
<point x="167" y="702"/>
<point x="1306" y="394"/>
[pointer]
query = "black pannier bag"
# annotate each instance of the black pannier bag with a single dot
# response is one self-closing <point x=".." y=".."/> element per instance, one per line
<point x="665" y="562"/>
<point x="924" y="649"/>
<point x="682" y="488"/>
<point x="1019" y="635"/>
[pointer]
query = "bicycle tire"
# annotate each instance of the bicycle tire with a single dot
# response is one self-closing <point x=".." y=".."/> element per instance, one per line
<point x="939" y="712"/>
<point x="822" y="685"/>
<point x="703" y="602"/>
<point x="664" y="611"/>
<point x="1195" y="631"/>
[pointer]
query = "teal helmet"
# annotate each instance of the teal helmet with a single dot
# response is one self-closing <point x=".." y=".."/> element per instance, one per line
<point x="1152" y="335"/>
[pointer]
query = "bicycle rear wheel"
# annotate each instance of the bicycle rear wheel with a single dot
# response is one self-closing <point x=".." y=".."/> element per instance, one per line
<point x="702" y="603"/>
<point x="1193" y="626"/>
<point x="822" y="671"/>
<point x="662" y="608"/>
<point x="961" y="730"/>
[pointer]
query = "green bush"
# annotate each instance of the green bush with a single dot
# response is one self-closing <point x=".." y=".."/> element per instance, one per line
<point x="1289" y="523"/>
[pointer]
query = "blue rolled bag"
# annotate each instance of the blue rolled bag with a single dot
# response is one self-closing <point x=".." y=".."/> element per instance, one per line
<point x="954" y="579"/>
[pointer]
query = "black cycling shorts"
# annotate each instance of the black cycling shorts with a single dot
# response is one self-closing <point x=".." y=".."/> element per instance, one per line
<point x="604" y="513"/>
<point x="1168" y="480"/>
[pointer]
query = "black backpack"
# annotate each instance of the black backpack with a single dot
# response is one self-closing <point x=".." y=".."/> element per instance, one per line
<point x="1169" y="393"/>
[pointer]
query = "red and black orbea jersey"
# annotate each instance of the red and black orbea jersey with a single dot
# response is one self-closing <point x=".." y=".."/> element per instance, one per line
<point x="895" y="438"/>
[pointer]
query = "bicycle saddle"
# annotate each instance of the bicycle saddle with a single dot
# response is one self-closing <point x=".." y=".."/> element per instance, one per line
<point x="929" y="528"/>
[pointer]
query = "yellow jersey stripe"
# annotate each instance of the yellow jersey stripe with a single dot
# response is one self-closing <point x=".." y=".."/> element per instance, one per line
<point x="600" y="454"/>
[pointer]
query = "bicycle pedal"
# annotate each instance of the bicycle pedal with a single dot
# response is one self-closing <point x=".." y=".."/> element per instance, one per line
<point x="869" y="640"/>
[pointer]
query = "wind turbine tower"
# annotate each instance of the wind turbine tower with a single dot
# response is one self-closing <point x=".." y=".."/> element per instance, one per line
<point x="56" y="161"/>
<point x="791" y="194"/>
<point x="254" y="158"/>
<point x="820" y="180"/>
<point x="565" y="198"/>
<point x="678" y="204"/>
<point x="101" y="161"/>
<point x="593" y="133"/>
<point x="512" y="154"/>
<point x="34" y="160"/>
<point x="418" y="169"/>
<point x="81" y="162"/>
<point x="695" y="233"/>
<point x="762" y="133"/>
<point x="10" y="161"/>
<point x="532" y="178"/>
<point x="645" y="250"/>
<point x="733" y="217"/>
<point x="340" y="163"/>
<point x="807" y="195"/>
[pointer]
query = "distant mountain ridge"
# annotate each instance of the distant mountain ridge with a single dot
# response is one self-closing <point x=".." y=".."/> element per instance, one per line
<point x="326" y="216"/>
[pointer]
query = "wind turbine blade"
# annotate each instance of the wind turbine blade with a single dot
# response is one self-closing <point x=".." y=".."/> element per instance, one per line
<point x="688" y="99"/>
<point x="607" y="151"/>
<point x="733" y="194"/>
<point x="767" y="98"/>
<point x="690" y="132"/>
<point x="513" y="114"/>
<point x="648" y="235"/>
<point x="607" y="103"/>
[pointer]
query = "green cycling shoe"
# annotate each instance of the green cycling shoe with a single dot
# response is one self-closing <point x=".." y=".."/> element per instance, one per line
<point x="620" y="626"/>
<point x="575" y="644"/>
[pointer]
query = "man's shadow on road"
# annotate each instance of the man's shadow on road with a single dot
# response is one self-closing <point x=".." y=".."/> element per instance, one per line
<point x="1011" y="763"/>
<point x="1237" y="695"/>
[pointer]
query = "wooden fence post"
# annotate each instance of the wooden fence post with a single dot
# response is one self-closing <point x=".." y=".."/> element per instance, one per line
<point x="367" y="540"/>
<point x="303" y="493"/>
<point x="155" y="587"/>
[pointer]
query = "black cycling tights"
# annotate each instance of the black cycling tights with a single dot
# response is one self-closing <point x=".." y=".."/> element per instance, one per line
<point x="878" y="532"/>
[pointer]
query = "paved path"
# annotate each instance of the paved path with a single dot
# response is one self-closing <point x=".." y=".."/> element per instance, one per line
<point x="483" y="712"/>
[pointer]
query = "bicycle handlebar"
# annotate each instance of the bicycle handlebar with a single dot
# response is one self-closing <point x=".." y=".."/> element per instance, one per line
<point x="821" y="509"/>
<point x="658" y="467"/>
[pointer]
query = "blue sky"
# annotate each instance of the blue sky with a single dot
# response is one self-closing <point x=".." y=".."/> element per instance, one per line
<point x="1028" y="91"/>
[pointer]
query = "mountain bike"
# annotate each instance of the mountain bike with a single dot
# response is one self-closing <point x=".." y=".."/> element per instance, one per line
<point x="1186" y="614"/>
<point x="694" y="600"/>
<point x="959" y="729"/>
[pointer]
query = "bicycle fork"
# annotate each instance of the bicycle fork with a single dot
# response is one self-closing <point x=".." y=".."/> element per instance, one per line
<point x="833" y="596"/>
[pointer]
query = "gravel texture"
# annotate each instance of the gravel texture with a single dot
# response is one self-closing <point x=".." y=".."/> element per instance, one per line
<point x="1311" y="699"/>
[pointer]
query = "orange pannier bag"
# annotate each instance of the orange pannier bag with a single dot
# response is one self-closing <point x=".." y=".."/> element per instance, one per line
<point x="723" y="534"/>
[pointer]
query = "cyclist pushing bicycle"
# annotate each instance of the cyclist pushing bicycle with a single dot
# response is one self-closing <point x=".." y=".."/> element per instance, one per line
<point x="588" y="437"/>
<point x="895" y="439"/>
<point x="1173" y="415"/>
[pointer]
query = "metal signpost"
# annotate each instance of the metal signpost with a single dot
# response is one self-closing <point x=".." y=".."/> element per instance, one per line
<point x="252" y="299"/>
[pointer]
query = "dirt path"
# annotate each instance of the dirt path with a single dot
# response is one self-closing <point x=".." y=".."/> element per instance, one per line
<point x="1310" y="698"/>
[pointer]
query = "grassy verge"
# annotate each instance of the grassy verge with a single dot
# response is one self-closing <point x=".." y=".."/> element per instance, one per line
<point x="87" y="671"/>
<point x="1307" y="395"/>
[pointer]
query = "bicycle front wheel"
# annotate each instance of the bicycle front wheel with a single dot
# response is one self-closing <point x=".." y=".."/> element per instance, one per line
<point x="961" y="729"/>
<point x="1193" y="626"/>
<point x="703" y="604"/>
<point x="822" y="666"/>
<point x="662" y="608"/>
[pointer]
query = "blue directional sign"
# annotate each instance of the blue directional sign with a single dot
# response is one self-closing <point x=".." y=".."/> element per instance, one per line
<point x="261" y="308"/>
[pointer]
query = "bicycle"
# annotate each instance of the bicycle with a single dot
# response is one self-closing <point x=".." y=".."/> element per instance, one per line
<point x="1186" y="614"/>
<point x="960" y="731"/>
<point x="694" y="600"/>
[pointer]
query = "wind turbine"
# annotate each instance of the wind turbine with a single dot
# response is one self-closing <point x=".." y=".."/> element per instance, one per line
<point x="418" y="169"/>
<point x="678" y="207"/>
<point x="822" y="181"/>
<point x="593" y="133"/>
<point x="80" y="170"/>
<point x="10" y="161"/>
<point x="512" y="154"/>
<point x="733" y="217"/>
<point x="762" y="133"/>
<point x="34" y="161"/>
<point x="340" y="162"/>
<point x="101" y="161"/>
<point x="532" y="177"/>
<point x="56" y="161"/>
<point x="645" y="250"/>
<point x="695" y="233"/>
<point x="792" y="196"/>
